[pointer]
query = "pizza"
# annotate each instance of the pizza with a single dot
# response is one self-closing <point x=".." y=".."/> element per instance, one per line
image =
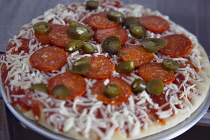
<point x="105" y="70"/>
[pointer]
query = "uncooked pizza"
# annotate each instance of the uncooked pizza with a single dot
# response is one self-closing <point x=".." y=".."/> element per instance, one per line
<point x="104" y="70"/>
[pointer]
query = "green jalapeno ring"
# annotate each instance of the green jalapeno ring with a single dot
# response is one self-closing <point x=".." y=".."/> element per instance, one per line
<point x="153" y="45"/>
<point x="74" y="45"/>
<point x="111" y="44"/>
<point x="155" y="86"/>
<point x="170" y="65"/>
<point x="88" y="48"/>
<point x="126" y="67"/>
<point x="81" y="66"/>
<point x="61" y="91"/>
<point x="111" y="90"/>
<point x="40" y="87"/>
<point x="129" y="20"/>
<point x="138" y="85"/>
<point x="92" y="5"/>
<point x="79" y="31"/>
<point x="137" y="30"/>
<point x="41" y="28"/>
<point x="115" y="16"/>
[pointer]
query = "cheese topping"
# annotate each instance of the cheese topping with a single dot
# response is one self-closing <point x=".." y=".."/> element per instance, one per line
<point x="86" y="114"/>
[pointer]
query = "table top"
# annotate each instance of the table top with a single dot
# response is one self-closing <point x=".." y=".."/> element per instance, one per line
<point x="193" y="15"/>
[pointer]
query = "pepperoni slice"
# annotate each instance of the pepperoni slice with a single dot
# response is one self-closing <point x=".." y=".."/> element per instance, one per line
<point x="100" y="67"/>
<point x="74" y="82"/>
<point x="58" y="35"/>
<point x="119" y="32"/>
<point x="178" y="46"/>
<point x="48" y="58"/>
<point x="151" y="71"/>
<point x="100" y="21"/>
<point x="155" y="24"/>
<point x="125" y="91"/>
<point x="43" y="38"/>
<point x="137" y="54"/>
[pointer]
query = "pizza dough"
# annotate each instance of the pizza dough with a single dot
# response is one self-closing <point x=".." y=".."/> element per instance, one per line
<point x="36" y="67"/>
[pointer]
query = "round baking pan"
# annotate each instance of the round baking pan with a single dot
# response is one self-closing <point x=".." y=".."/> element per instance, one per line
<point x="167" y="134"/>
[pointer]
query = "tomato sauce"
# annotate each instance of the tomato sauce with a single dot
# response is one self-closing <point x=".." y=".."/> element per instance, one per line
<point x="189" y="62"/>
<point x="23" y="47"/>
<point x="26" y="98"/>
<point x="159" y="99"/>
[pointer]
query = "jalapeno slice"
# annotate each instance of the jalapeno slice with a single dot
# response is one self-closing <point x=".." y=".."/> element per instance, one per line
<point x="111" y="44"/>
<point x="41" y="28"/>
<point x="88" y="48"/>
<point x="153" y="45"/>
<point x="111" y="90"/>
<point x="74" y="45"/>
<point x="155" y="86"/>
<point x="126" y="67"/>
<point x="115" y="16"/>
<point x="130" y="20"/>
<point x="170" y="65"/>
<point x="137" y="30"/>
<point x="40" y="87"/>
<point x="138" y="85"/>
<point x="61" y="92"/>
<point x="92" y="5"/>
<point x="81" y="66"/>
<point x="79" y="31"/>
